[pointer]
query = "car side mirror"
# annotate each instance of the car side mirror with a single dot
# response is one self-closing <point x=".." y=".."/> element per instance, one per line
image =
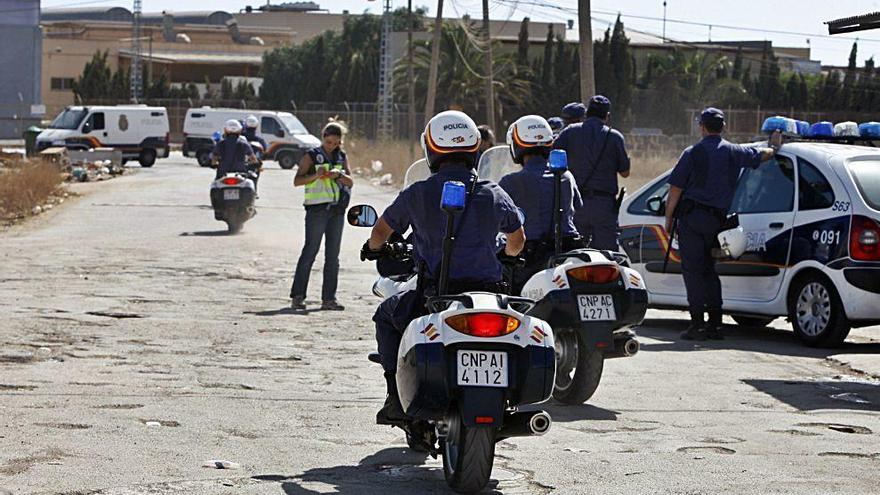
<point x="657" y="205"/>
<point x="279" y="133"/>
<point x="87" y="128"/>
<point x="362" y="216"/>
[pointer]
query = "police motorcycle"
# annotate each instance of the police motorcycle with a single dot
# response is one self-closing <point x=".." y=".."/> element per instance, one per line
<point x="466" y="367"/>
<point x="232" y="197"/>
<point x="590" y="297"/>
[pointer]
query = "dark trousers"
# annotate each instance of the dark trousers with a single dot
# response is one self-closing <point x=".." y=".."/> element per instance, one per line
<point x="391" y="318"/>
<point x="321" y="222"/>
<point x="598" y="218"/>
<point x="697" y="235"/>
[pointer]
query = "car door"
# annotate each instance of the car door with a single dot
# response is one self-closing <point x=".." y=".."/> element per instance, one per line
<point x="765" y="202"/>
<point x="94" y="130"/>
<point x="822" y="220"/>
<point x="270" y="129"/>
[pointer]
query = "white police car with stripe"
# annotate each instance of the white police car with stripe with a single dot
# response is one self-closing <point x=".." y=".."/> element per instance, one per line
<point x="812" y="219"/>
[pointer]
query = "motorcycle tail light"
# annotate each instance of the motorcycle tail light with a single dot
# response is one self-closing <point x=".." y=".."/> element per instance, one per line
<point x="231" y="181"/>
<point x="595" y="274"/>
<point x="483" y="324"/>
<point x="864" y="239"/>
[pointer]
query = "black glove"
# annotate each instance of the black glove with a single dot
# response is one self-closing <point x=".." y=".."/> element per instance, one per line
<point x="369" y="254"/>
<point x="506" y="259"/>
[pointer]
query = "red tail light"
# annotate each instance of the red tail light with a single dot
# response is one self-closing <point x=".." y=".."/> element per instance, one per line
<point x="231" y="181"/>
<point x="483" y="324"/>
<point x="595" y="274"/>
<point x="864" y="239"/>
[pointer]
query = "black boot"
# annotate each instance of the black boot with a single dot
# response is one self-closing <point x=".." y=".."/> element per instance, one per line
<point x="391" y="413"/>
<point x="696" y="330"/>
<point x="713" y="327"/>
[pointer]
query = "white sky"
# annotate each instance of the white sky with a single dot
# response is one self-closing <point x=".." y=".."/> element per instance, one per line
<point x="805" y="17"/>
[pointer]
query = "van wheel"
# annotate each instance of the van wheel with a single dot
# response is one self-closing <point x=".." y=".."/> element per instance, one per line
<point x="147" y="157"/>
<point x="204" y="158"/>
<point x="816" y="312"/>
<point x="753" y="321"/>
<point x="286" y="160"/>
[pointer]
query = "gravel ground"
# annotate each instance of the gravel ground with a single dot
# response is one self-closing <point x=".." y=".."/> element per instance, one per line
<point x="140" y="344"/>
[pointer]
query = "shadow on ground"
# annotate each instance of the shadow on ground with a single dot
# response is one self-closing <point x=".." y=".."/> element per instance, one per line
<point x="286" y="310"/>
<point x="564" y="413"/>
<point x="206" y="233"/>
<point x="824" y="394"/>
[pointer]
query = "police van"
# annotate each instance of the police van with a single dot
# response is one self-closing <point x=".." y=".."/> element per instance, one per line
<point x="139" y="131"/>
<point x="287" y="137"/>
<point x="812" y="220"/>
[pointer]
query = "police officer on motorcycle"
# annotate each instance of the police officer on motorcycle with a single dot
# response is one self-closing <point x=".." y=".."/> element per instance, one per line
<point x="532" y="189"/>
<point x="451" y="142"/>
<point x="232" y="153"/>
<point x="250" y="132"/>
<point x="701" y="190"/>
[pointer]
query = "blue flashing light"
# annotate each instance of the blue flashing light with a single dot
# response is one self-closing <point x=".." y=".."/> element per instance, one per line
<point x="870" y="129"/>
<point x="803" y="128"/>
<point x="782" y="124"/>
<point x="822" y="129"/>
<point x="453" y="197"/>
<point x="558" y="160"/>
<point x="217" y="136"/>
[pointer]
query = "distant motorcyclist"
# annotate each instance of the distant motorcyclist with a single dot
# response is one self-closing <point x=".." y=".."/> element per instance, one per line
<point x="250" y="132"/>
<point x="556" y="124"/>
<point x="531" y="140"/>
<point x="232" y="153"/>
<point x="451" y="142"/>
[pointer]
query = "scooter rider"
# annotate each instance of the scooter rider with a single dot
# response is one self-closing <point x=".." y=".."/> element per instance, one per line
<point x="531" y="139"/>
<point x="451" y="141"/>
<point x="250" y="131"/>
<point x="232" y="153"/>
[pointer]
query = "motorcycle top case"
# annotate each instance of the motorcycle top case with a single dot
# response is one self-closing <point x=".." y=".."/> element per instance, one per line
<point x="427" y="367"/>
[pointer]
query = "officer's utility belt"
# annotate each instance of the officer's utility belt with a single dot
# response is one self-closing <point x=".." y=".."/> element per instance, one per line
<point x="462" y="286"/>
<point x="688" y="205"/>
<point x="592" y="193"/>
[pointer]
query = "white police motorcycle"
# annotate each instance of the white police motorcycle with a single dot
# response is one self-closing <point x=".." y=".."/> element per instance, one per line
<point x="465" y="368"/>
<point x="590" y="297"/>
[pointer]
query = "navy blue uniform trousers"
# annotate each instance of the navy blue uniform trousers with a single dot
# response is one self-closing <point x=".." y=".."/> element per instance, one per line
<point x="697" y="235"/>
<point x="598" y="218"/>
<point x="392" y="317"/>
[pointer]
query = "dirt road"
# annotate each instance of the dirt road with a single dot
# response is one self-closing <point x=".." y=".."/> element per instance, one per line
<point x="139" y="342"/>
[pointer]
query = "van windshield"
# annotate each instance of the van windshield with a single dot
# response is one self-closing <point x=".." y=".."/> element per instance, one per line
<point x="68" y="119"/>
<point x="293" y="124"/>
<point x="867" y="177"/>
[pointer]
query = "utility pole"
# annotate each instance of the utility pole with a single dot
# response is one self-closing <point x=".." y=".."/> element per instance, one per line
<point x="136" y="74"/>
<point x="410" y="76"/>
<point x="435" y="62"/>
<point x="386" y="92"/>
<point x="490" y="85"/>
<point x="585" y="31"/>
<point x="664" y="21"/>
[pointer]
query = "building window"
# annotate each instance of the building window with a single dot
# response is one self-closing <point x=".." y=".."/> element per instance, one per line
<point x="62" y="83"/>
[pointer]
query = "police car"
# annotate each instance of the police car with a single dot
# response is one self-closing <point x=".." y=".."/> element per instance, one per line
<point x="812" y="221"/>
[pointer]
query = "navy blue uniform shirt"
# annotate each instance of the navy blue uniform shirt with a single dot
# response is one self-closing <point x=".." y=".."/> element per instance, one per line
<point x="532" y="190"/>
<point x="583" y="142"/>
<point x="708" y="170"/>
<point x="488" y="210"/>
<point x="232" y="152"/>
<point x="250" y="134"/>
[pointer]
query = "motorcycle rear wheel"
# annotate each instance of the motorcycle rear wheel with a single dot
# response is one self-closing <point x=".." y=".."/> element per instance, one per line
<point x="578" y="368"/>
<point x="468" y="455"/>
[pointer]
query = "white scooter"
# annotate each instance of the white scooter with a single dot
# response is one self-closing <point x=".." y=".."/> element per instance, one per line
<point x="465" y="368"/>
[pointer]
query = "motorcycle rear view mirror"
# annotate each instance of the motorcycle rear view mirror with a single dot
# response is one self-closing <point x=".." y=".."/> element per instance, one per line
<point x="362" y="216"/>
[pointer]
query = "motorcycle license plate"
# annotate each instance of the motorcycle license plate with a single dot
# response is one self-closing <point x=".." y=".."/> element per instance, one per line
<point x="230" y="194"/>
<point x="482" y="368"/>
<point x="596" y="307"/>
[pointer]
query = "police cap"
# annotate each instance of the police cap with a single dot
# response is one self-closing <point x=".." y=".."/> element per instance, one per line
<point x="710" y="115"/>
<point x="574" y="111"/>
<point x="599" y="105"/>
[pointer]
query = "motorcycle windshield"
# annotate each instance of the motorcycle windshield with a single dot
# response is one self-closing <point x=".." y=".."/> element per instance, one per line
<point x="416" y="172"/>
<point x="495" y="163"/>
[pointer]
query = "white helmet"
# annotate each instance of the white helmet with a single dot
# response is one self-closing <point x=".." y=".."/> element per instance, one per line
<point x="733" y="242"/>
<point x="531" y="133"/>
<point x="252" y="121"/>
<point x="232" y="126"/>
<point x="450" y="134"/>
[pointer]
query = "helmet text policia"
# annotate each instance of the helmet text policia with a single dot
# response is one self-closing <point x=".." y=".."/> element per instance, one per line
<point x="450" y="135"/>
<point x="529" y="134"/>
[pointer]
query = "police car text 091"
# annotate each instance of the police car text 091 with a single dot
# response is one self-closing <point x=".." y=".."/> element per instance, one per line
<point x="812" y="220"/>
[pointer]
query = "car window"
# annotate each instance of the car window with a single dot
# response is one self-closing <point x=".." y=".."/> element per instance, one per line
<point x="639" y="206"/>
<point x="96" y="121"/>
<point x="269" y="126"/>
<point x="814" y="190"/>
<point x="766" y="189"/>
<point x="867" y="177"/>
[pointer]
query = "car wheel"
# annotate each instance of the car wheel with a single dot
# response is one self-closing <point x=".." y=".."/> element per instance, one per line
<point x="753" y="321"/>
<point x="204" y="158"/>
<point x="147" y="158"/>
<point x="286" y="160"/>
<point x="816" y="312"/>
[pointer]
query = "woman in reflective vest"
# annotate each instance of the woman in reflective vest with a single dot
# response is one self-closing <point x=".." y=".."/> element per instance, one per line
<point x="325" y="174"/>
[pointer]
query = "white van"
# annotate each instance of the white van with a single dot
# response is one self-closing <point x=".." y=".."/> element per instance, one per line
<point x="287" y="137"/>
<point x="139" y="131"/>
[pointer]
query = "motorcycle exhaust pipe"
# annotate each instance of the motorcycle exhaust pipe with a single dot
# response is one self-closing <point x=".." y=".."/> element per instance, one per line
<point x="525" y="424"/>
<point x="627" y="347"/>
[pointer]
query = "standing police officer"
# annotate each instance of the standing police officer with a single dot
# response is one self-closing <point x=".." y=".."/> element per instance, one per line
<point x="596" y="156"/>
<point x="451" y="142"/>
<point x="700" y="194"/>
<point x="573" y="113"/>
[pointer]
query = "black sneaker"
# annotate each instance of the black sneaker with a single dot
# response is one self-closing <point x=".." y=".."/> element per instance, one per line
<point x="694" y="331"/>
<point x="391" y="413"/>
<point x="298" y="303"/>
<point x="713" y="332"/>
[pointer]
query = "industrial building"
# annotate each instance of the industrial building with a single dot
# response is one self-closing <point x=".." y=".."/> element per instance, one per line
<point x="20" y="46"/>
